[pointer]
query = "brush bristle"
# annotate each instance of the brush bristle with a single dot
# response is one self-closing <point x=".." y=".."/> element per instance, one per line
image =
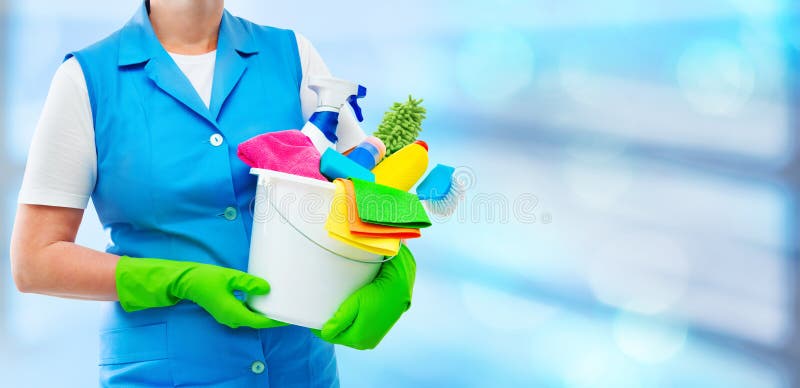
<point x="447" y="205"/>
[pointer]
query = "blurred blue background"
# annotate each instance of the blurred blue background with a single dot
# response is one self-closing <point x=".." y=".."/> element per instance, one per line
<point x="658" y="139"/>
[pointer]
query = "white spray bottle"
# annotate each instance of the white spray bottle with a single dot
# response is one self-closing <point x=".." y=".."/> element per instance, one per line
<point x="332" y="94"/>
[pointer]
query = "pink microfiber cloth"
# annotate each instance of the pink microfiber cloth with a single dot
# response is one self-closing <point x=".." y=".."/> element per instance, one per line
<point x="287" y="151"/>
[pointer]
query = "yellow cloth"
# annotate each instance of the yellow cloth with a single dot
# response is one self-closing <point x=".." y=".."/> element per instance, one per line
<point x="338" y="228"/>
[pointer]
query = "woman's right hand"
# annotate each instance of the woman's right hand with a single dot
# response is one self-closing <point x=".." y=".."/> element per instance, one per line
<point x="148" y="283"/>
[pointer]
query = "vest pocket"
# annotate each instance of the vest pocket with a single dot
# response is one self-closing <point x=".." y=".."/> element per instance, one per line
<point x="133" y="344"/>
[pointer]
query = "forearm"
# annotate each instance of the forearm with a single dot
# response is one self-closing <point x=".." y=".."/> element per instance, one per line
<point x="69" y="270"/>
<point x="46" y="260"/>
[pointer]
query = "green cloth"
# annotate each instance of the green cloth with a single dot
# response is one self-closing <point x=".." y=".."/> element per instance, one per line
<point x="148" y="283"/>
<point x="384" y="205"/>
<point x="365" y="317"/>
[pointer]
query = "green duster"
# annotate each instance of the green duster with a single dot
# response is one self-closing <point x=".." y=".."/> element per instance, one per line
<point x="401" y="125"/>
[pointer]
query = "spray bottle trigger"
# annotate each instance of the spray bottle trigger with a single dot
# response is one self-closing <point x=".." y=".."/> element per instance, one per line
<point x="353" y="100"/>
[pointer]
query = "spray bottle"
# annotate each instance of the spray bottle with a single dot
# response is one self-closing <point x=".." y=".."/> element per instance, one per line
<point x="332" y="94"/>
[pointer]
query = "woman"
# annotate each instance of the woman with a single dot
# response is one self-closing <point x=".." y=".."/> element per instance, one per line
<point x="146" y="122"/>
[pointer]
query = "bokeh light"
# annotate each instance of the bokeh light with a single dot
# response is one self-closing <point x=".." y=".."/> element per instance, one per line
<point x="640" y="271"/>
<point x="493" y="65"/>
<point x="716" y="77"/>
<point x="648" y="339"/>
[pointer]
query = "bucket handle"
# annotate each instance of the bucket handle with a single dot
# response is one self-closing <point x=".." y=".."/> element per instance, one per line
<point x="269" y="200"/>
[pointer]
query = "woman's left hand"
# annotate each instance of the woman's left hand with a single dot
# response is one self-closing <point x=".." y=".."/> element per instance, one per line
<point x="366" y="316"/>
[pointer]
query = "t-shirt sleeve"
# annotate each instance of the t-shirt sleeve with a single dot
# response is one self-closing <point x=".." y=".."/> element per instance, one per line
<point x="62" y="161"/>
<point x="349" y="131"/>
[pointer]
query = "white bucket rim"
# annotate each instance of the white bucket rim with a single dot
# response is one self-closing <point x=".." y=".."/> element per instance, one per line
<point x="291" y="177"/>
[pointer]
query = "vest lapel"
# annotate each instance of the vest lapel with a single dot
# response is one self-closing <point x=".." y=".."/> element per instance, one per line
<point x="233" y="47"/>
<point x="139" y="44"/>
<point x="228" y="70"/>
<point x="169" y="78"/>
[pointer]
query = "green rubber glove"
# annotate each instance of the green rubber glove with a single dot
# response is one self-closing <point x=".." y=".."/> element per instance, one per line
<point x="365" y="317"/>
<point x="148" y="283"/>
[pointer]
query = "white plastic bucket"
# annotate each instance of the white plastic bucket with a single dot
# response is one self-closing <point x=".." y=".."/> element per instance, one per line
<point x="310" y="274"/>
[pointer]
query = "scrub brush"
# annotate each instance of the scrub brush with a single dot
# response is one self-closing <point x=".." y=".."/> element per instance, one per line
<point x="440" y="192"/>
<point x="401" y="125"/>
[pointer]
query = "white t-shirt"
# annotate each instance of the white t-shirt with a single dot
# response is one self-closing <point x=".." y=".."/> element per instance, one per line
<point x="62" y="161"/>
<point x="199" y="69"/>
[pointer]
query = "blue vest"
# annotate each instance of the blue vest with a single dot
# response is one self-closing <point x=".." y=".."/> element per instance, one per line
<point x="169" y="185"/>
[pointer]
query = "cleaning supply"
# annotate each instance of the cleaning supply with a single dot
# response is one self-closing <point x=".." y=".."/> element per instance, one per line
<point x="369" y="153"/>
<point x="335" y="165"/>
<point x="401" y="125"/>
<point x="379" y="145"/>
<point x="440" y="192"/>
<point x="287" y="151"/>
<point x="332" y="94"/>
<point x="337" y="226"/>
<point x="363" y="229"/>
<point x="149" y="283"/>
<point x="404" y="168"/>
<point x="367" y="316"/>
<point x="383" y="205"/>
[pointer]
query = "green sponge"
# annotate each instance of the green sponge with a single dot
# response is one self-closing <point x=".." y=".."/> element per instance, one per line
<point x="401" y="125"/>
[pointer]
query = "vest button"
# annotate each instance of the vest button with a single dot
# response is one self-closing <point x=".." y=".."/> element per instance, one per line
<point x="257" y="367"/>
<point x="230" y="213"/>
<point x="216" y="140"/>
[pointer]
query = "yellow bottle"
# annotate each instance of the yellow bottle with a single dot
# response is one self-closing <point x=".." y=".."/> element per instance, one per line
<point x="404" y="168"/>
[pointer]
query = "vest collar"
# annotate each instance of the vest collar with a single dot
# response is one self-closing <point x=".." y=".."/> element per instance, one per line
<point x="139" y="44"/>
<point x="138" y="41"/>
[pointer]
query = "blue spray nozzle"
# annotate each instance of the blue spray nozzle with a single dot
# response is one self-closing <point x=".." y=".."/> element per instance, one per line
<point x="353" y="100"/>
